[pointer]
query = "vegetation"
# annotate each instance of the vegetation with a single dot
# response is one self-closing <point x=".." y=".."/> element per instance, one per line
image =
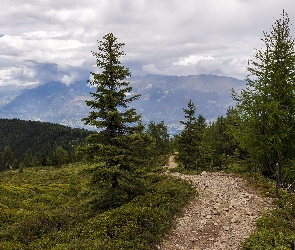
<point x="266" y="107"/>
<point x="208" y="146"/>
<point x="120" y="198"/>
<point x="120" y="148"/>
<point x="159" y="132"/>
<point x="220" y="148"/>
<point x="258" y="133"/>
<point x="51" y="208"/>
<point x="188" y="142"/>
<point x="276" y="228"/>
<point x="37" y="141"/>
<point x="268" y="131"/>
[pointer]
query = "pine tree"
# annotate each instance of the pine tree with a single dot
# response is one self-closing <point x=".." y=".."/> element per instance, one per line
<point x="119" y="145"/>
<point x="188" y="141"/>
<point x="219" y="145"/>
<point x="7" y="157"/>
<point x="30" y="160"/>
<point x="60" y="156"/>
<point x="267" y="106"/>
<point x="162" y="139"/>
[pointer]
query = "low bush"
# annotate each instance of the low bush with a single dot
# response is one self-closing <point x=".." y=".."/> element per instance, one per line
<point x="276" y="228"/>
<point x="54" y="212"/>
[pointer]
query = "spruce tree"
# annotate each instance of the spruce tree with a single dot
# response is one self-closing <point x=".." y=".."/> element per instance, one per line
<point x="7" y="157"/>
<point x="119" y="145"/>
<point x="188" y="141"/>
<point x="267" y="106"/>
<point x="159" y="132"/>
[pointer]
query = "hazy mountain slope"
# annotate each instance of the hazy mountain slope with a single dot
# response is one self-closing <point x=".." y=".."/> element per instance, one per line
<point x="162" y="98"/>
<point x="51" y="102"/>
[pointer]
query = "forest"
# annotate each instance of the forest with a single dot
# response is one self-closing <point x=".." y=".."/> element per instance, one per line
<point x="107" y="189"/>
<point x="37" y="143"/>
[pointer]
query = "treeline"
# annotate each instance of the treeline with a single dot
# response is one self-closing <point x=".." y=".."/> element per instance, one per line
<point x="37" y="143"/>
<point x="203" y="145"/>
<point x="261" y="127"/>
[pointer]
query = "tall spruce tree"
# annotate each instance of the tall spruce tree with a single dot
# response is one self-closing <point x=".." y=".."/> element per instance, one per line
<point x="267" y="106"/>
<point x="188" y="141"/>
<point x="120" y="144"/>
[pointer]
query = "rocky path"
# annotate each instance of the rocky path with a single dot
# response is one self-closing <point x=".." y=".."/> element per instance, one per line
<point x="220" y="218"/>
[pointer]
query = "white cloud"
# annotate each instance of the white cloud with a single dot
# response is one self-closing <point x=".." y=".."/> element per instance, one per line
<point x="151" y="69"/>
<point x="193" y="59"/>
<point x="52" y="40"/>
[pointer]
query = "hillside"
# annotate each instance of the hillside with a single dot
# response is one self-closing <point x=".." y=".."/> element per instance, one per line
<point x="162" y="99"/>
<point x="39" y="138"/>
<point x="52" y="208"/>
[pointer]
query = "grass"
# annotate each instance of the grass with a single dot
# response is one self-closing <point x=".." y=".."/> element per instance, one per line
<point x="49" y="208"/>
<point x="276" y="227"/>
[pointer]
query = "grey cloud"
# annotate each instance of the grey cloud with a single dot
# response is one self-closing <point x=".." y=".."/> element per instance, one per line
<point x="52" y="40"/>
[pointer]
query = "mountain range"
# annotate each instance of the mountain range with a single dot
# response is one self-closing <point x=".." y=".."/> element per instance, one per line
<point x="162" y="99"/>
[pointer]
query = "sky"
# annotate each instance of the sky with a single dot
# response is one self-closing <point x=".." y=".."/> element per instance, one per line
<point x="45" y="40"/>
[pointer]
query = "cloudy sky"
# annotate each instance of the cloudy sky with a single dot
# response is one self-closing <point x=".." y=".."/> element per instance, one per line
<point x="44" y="40"/>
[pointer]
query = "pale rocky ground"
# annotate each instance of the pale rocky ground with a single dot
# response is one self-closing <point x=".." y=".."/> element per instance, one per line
<point x="221" y="217"/>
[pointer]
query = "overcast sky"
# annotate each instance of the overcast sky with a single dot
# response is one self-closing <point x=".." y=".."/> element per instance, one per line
<point x="44" y="40"/>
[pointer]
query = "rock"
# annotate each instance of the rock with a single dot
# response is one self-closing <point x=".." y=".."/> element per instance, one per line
<point x="221" y="217"/>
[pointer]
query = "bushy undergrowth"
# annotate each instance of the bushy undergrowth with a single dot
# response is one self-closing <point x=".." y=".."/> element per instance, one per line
<point x="50" y="208"/>
<point x="275" y="229"/>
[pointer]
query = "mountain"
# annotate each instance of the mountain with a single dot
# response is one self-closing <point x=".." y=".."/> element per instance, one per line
<point x="51" y="102"/>
<point x="162" y="99"/>
<point x="9" y="92"/>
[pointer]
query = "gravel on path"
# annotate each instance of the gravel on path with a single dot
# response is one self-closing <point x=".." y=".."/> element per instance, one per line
<point x="220" y="218"/>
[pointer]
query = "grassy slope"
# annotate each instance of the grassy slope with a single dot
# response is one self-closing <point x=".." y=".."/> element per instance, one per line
<point x="275" y="228"/>
<point x="48" y="208"/>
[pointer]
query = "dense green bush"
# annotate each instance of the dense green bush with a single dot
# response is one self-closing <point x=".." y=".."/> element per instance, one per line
<point x="50" y="208"/>
<point x="276" y="228"/>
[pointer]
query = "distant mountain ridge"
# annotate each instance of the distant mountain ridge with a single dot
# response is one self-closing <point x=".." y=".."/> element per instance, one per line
<point x="162" y="99"/>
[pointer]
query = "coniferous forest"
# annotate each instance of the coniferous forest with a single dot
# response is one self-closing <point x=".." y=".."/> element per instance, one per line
<point x="37" y="141"/>
<point x="66" y="188"/>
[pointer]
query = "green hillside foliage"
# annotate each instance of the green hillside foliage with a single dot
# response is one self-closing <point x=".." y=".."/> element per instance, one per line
<point x="29" y="139"/>
<point x="51" y="208"/>
<point x="276" y="227"/>
<point x="266" y="107"/>
<point x="159" y="132"/>
<point x="202" y="146"/>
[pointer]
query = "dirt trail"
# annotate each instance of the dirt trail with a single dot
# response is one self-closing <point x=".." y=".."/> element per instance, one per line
<point x="220" y="218"/>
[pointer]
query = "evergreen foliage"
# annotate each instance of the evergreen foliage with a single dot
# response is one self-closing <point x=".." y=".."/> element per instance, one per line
<point x="188" y="142"/>
<point x="219" y="145"/>
<point x="7" y="157"/>
<point x="120" y="145"/>
<point x="40" y="139"/>
<point x="30" y="160"/>
<point x="159" y="132"/>
<point x="267" y="106"/>
<point x="48" y="208"/>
